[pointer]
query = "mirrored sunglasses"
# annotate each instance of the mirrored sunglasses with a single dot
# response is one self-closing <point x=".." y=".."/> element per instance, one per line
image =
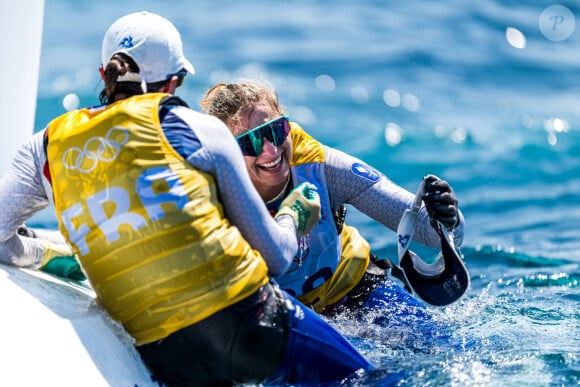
<point x="274" y="131"/>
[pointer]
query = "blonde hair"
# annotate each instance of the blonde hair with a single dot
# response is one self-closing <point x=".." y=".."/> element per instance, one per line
<point x="225" y="100"/>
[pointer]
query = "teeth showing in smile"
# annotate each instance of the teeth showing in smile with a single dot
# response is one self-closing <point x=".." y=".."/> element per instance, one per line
<point x="272" y="164"/>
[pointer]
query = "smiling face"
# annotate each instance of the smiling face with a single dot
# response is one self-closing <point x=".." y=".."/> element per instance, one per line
<point x="270" y="170"/>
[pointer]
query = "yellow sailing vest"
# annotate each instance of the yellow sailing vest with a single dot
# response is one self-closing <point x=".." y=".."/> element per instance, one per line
<point x="331" y="265"/>
<point x="147" y="227"/>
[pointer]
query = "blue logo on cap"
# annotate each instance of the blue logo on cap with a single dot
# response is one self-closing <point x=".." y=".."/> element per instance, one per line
<point x="365" y="171"/>
<point x="127" y="42"/>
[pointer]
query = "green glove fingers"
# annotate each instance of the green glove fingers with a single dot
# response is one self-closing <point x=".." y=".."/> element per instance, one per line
<point x="309" y="192"/>
<point x="60" y="261"/>
<point x="302" y="204"/>
<point x="66" y="267"/>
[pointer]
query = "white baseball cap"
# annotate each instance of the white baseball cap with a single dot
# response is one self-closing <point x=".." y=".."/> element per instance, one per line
<point x="151" y="41"/>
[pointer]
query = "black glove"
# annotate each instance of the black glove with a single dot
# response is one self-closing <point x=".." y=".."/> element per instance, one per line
<point x="440" y="202"/>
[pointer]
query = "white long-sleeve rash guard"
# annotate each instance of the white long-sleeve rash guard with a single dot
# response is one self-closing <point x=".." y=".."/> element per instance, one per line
<point x="203" y="140"/>
<point x="381" y="200"/>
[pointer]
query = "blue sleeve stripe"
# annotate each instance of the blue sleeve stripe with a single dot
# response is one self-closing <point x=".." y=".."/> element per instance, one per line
<point x="178" y="133"/>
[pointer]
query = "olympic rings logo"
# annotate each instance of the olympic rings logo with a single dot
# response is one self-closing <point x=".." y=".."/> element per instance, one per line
<point x="96" y="149"/>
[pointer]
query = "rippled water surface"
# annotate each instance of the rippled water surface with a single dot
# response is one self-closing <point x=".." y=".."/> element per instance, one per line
<point x="484" y="94"/>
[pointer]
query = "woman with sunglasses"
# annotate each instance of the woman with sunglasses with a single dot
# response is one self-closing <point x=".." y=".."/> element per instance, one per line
<point x="147" y="194"/>
<point x="334" y="269"/>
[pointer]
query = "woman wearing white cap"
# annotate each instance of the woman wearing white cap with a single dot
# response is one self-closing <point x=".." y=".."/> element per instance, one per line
<point x="155" y="201"/>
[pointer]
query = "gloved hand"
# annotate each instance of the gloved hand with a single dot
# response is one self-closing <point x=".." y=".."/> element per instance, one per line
<point x="440" y="202"/>
<point x="60" y="260"/>
<point x="302" y="204"/>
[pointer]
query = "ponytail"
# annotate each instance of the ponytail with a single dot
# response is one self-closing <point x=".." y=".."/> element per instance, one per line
<point x="122" y="79"/>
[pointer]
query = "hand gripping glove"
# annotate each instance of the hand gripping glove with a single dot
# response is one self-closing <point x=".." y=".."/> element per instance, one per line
<point x="59" y="260"/>
<point x="302" y="204"/>
<point x="440" y="202"/>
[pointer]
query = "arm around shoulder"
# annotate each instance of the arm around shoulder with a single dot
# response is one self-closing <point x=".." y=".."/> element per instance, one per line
<point x="221" y="156"/>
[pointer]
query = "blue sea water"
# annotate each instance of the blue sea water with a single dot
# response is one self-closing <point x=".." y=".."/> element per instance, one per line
<point x="484" y="94"/>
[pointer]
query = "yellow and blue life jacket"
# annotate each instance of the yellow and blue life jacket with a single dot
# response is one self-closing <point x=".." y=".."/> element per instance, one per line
<point x="328" y="264"/>
<point x="147" y="227"/>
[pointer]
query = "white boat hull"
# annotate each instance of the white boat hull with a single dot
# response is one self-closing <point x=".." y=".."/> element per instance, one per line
<point x="52" y="333"/>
